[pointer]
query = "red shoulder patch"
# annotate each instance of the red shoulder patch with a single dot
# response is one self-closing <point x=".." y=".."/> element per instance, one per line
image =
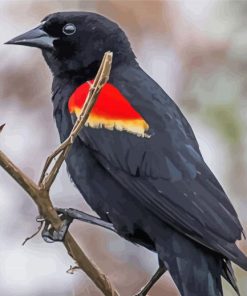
<point x="111" y="111"/>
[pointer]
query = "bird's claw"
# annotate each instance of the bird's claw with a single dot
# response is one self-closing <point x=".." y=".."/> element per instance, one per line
<point x="51" y="235"/>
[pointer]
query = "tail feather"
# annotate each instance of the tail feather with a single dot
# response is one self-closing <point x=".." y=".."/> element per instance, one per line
<point x="193" y="280"/>
<point x="228" y="274"/>
<point x="232" y="252"/>
<point x="194" y="269"/>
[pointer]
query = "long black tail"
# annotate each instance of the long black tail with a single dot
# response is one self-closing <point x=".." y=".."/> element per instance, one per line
<point x="195" y="269"/>
<point x="202" y="277"/>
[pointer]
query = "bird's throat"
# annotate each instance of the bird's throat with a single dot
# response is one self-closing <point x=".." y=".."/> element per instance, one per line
<point x="111" y="111"/>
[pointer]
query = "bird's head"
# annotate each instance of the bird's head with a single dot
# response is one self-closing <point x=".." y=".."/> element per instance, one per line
<point x="75" y="42"/>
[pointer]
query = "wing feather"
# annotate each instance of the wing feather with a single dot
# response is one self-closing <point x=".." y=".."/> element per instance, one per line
<point x="166" y="172"/>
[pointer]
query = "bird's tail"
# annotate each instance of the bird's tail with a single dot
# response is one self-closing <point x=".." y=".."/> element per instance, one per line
<point x="195" y="269"/>
<point x="196" y="278"/>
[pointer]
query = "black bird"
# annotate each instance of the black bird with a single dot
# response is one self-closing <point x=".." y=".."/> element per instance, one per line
<point x="137" y="162"/>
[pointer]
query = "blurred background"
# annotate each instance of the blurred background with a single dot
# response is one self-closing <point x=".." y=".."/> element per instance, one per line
<point x="197" y="51"/>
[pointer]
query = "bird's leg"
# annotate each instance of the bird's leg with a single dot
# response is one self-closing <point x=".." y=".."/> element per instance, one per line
<point x="49" y="234"/>
<point x="160" y="271"/>
<point x="79" y="215"/>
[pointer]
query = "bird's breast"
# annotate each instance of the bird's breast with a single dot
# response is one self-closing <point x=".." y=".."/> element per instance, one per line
<point x="111" y="110"/>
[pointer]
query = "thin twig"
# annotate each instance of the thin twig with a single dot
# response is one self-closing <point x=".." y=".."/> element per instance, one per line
<point x="99" y="81"/>
<point x="34" y="234"/>
<point x="72" y="269"/>
<point x="52" y="157"/>
<point x="40" y="193"/>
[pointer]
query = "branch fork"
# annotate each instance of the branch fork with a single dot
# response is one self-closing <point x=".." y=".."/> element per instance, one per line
<point x="40" y="192"/>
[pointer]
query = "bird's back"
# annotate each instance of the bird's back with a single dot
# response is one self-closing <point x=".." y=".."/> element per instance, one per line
<point x="139" y="185"/>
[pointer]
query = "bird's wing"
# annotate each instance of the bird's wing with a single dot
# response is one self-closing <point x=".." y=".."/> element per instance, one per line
<point x="166" y="171"/>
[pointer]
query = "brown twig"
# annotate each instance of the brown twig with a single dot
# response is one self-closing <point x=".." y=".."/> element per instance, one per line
<point x="99" y="81"/>
<point x="34" y="234"/>
<point x="40" y="193"/>
<point x="72" y="269"/>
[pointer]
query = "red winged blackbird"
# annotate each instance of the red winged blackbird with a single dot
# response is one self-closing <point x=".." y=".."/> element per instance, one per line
<point x="137" y="162"/>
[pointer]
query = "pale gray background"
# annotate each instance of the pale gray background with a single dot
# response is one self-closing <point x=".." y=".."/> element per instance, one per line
<point x="197" y="51"/>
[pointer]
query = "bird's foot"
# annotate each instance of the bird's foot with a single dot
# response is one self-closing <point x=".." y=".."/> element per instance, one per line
<point x="51" y="235"/>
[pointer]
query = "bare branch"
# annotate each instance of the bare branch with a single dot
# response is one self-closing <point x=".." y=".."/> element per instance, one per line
<point x="99" y="81"/>
<point x="24" y="181"/>
<point x="40" y="193"/>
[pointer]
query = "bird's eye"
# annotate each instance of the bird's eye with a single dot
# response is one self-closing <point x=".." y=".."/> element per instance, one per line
<point x="69" y="29"/>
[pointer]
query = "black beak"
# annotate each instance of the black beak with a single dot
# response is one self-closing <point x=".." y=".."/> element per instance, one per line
<point x="36" y="37"/>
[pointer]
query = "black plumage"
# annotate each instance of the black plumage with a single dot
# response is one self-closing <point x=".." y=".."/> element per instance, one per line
<point x="157" y="190"/>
